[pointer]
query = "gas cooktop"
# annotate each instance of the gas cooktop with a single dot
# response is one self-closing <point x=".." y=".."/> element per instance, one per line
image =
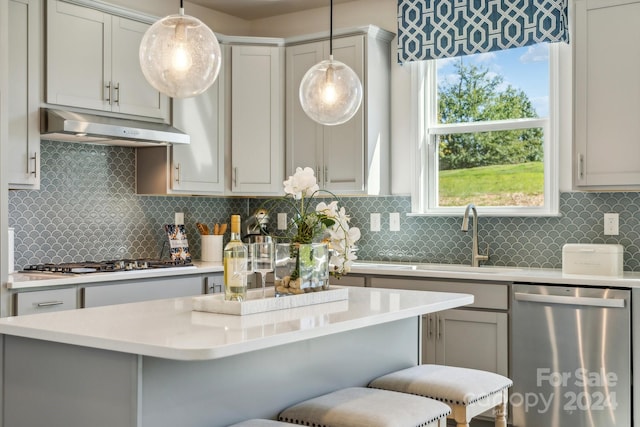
<point x="104" y="266"/>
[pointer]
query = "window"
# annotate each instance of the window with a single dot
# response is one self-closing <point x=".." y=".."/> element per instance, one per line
<point x="486" y="132"/>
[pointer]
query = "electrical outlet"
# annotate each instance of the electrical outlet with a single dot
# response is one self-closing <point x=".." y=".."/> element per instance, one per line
<point x="611" y="224"/>
<point x="375" y="222"/>
<point x="394" y="221"/>
<point x="179" y="218"/>
<point x="282" y="221"/>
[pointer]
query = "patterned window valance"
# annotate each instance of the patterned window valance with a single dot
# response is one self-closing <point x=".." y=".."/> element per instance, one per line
<point x="432" y="29"/>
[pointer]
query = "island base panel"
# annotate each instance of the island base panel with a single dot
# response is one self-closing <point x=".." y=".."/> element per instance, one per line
<point x="53" y="384"/>
<point x="261" y="383"/>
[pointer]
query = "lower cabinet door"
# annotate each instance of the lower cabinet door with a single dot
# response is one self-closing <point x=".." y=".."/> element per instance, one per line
<point x="467" y="338"/>
<point x="44" y="301"/>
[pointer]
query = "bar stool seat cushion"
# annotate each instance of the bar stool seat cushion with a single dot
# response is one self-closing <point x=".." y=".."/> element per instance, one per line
<point x="366" y="407"/>
<point x="256" y="422"/>
<point x="452" y="385"/>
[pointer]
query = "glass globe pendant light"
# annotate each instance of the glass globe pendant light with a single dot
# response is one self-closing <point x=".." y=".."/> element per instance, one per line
<point x="180" y="55"/>
<point x="330" y="92"/>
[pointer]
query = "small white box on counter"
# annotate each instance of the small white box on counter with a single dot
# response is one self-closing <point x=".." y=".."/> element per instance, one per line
<point x="592" y="259"/>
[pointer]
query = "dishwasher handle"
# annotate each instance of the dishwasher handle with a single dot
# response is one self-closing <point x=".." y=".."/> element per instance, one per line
<point x="570" y="300"/>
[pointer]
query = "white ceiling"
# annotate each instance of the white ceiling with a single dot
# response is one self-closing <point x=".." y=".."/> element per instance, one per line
<point x="255" y="9"/>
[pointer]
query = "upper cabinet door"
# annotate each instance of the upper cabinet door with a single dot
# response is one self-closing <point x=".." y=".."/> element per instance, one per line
<point x="23" y="100"/>
<point x="78" y="56"/>
<point x="304" y="137"/>
<point x="257" y="119"/>
<point x="344" y="145"/>
<point x="100" y="69"/>
<point x="132" y="93"/>
<point x="607" y="95"/>
<point x="198" y="168"/>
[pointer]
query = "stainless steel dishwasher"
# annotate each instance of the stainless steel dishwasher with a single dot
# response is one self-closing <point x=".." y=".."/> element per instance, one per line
<point x="571" y="356"/>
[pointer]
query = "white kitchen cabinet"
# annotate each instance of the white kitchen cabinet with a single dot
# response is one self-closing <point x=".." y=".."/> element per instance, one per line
<point x="142" y="290"/>
<point x="607" y="95"/>
<point x="351" y="158"/>
<point x="44" y="301"/>
<point x="467" y="338"/>
<point x="99" y="70"/>
<point x="23" y="99"/>
<point x="257" y="119"/>
<point x="198" y="167"/>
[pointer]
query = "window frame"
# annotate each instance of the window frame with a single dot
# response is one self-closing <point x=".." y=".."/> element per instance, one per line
<point x="425" y="129"/>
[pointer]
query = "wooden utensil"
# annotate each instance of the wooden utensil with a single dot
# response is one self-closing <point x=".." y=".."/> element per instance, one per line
<point x="223" y="229"/>
<point x="216" y="229"/>
<point x="203" y="229"/>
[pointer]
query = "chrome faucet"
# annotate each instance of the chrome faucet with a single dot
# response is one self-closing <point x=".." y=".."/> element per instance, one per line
<point x="475" y="257"/>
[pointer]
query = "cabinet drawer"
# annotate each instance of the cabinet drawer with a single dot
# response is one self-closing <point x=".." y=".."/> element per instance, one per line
<point x="486" y="295"/>
<point x="142" y="290"/>
<point x="348" y="280"/>
<point x="44" y="301"/>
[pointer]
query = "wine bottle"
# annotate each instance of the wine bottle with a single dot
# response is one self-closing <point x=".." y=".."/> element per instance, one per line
<point x="236" y="262"/>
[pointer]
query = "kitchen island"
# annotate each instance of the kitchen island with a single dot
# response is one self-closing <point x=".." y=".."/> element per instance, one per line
<point x="159" y="363"/>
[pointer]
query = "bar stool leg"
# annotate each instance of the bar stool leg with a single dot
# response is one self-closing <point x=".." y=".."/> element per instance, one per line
<point x="501" y="415"/>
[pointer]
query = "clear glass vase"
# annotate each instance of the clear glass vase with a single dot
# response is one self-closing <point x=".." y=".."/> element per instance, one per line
<point x="301" y="268"/>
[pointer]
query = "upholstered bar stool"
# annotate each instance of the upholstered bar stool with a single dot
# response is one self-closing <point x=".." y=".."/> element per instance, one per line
<point x="367" y="407"/>
<point x="256" y="422"/>
<point x="469" y="392"/>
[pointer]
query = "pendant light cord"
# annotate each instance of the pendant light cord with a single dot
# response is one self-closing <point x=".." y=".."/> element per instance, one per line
<point x="330" y="28"/>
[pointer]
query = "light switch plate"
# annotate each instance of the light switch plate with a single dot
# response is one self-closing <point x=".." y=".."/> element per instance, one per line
<point x="375" y="222"/>
<point x="394" y="221"/>
<point x="611" y="224"/>
<point x="179" y="218"/>
<point x="282" y="221"/>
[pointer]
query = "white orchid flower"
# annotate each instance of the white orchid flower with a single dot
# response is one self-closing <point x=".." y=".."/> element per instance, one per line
<point x="301" y="184"/>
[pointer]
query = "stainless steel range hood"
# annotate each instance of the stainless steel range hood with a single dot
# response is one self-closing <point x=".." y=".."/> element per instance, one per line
<point x="62" y="125"/>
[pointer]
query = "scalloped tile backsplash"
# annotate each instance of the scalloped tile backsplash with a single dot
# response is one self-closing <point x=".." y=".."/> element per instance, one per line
<point x="87" y="209"/>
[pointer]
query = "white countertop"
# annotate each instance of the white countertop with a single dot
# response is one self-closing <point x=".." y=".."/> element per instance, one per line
<point x="170" y="329"/>
<point x="19" y="281"/>
<point x="493" y="274"/>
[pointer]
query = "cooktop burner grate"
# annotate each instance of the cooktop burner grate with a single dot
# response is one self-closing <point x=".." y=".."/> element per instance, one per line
<point x="105" y="266"/>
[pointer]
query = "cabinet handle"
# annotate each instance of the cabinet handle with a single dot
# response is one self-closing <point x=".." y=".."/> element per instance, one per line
<point x="430" y="326"/>
<point x="235" y="177"/>
<point x="581" y="167"/>
<point x="177" y="167"/>
<point x="34" y="172"/>
<point x="117" y="94"/>
<point x="326" y="175"/>
<point x="49" y="303"/>
<point x="438" y="327"/>
<point x="108" y="98"/>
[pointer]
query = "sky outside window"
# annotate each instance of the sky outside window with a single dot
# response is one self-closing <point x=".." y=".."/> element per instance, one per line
<point x="525" y="68"/>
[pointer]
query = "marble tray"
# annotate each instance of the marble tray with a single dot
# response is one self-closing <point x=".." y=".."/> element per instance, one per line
<point x="256" y="304"/>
